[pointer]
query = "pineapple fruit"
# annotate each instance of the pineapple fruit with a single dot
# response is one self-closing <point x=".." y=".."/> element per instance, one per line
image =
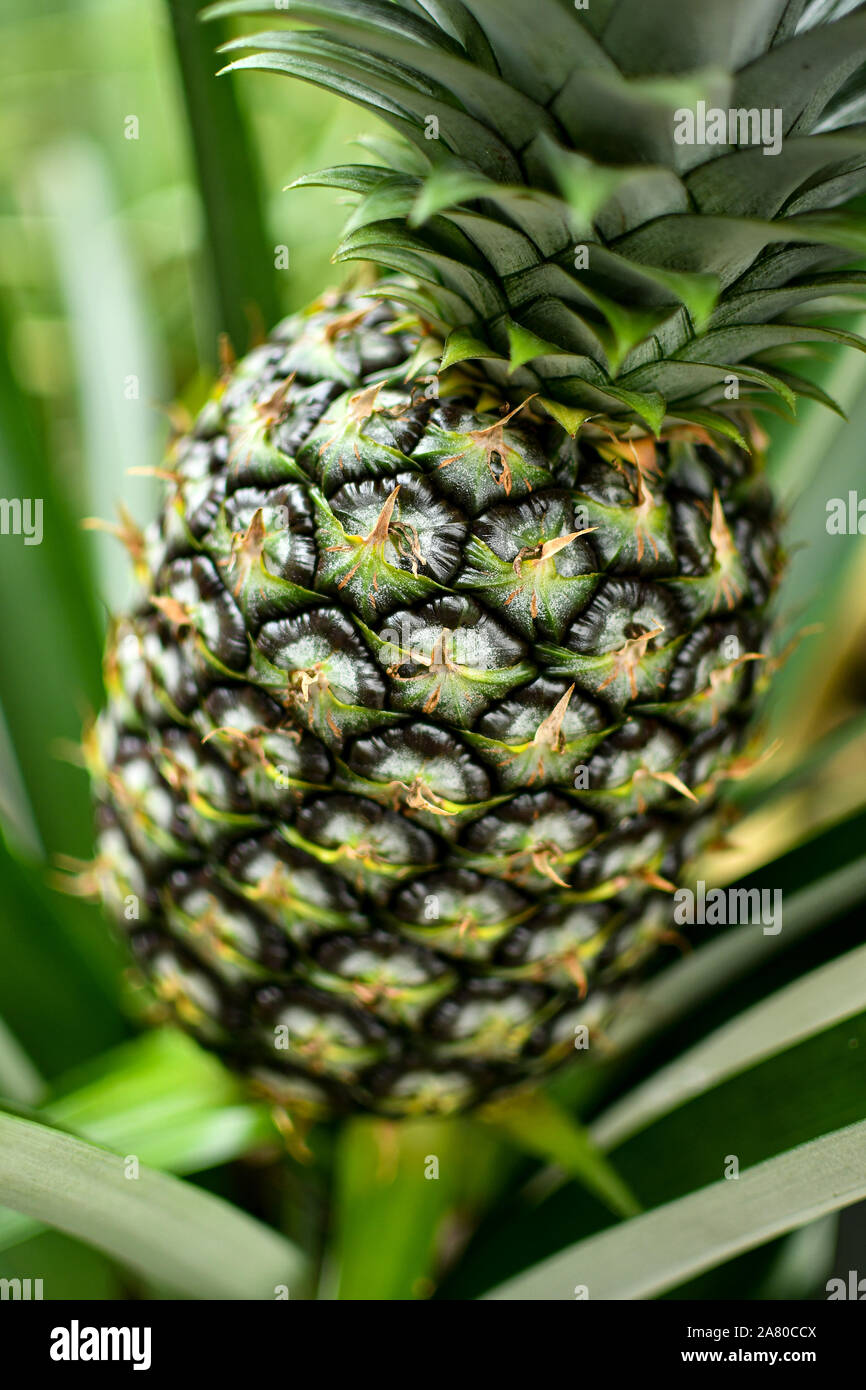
<point x="454" y="621"/>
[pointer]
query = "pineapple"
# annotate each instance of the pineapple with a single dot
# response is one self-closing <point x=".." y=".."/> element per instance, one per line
<point x="454" y="621"/>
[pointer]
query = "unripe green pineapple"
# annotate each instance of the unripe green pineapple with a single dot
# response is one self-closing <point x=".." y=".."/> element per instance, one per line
<point x="452" y="625"/>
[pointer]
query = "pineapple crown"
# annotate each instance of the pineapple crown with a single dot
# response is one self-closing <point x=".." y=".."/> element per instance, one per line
<point x="622" y="207"/>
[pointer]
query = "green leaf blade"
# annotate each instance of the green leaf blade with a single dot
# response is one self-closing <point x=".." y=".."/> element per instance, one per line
<point x="663" y="1248"/>
<point x="165" y="1229"/>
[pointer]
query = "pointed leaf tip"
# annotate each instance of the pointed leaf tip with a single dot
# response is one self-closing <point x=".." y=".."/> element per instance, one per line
<point x="461" y="346"/>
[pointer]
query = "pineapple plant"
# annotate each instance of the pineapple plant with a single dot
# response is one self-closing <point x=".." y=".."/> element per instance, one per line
<point x="401" y="778"/>
<point x="452" y="629"/>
